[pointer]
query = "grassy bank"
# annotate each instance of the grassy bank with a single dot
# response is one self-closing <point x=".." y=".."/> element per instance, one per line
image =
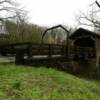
<point x="30" y="83"/>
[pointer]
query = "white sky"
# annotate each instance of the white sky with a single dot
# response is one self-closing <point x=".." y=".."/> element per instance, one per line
<point x="52" y="12"/>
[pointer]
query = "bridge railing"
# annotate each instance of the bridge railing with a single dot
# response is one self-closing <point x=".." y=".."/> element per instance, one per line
<point x="47" y="49"/>
<point x="32" y="49"/>
<point x="83" y="52"/>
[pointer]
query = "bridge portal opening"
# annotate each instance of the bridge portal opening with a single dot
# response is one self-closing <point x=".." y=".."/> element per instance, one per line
<point x="85" y="42"/>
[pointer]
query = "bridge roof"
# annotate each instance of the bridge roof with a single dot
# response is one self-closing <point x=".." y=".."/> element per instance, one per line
<point x="81" y="32"/>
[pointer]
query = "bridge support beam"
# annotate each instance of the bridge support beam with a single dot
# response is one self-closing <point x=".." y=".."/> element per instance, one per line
<point x="19" y="58"/>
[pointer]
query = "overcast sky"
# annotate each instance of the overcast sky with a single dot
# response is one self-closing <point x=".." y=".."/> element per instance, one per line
<point x="52" y="12"/>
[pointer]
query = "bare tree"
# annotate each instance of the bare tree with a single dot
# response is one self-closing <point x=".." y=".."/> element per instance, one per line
<point x="92" y="17"/>
<point x="8" y="9"/>
<point x="21" y="21"/>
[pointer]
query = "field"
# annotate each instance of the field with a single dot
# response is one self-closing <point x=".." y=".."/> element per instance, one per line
<point x="31" y="83"/>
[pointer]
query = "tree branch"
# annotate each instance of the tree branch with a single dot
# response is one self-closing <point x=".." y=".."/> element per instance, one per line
<point x="97" y="4"/>
<point x="7" y="1"/>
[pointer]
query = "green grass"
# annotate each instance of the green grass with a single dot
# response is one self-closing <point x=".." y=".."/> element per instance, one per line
<point x="30" y="83"/>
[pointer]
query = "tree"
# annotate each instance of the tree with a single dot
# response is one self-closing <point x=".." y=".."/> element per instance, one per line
<point x="8" y="8"/>
<point x="17" y="24"/>
<point x="30" y="33"/>
<point x="92" y="17"/>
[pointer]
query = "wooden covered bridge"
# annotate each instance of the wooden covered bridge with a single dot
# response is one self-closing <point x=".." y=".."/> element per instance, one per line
<point x="86" y="44"/>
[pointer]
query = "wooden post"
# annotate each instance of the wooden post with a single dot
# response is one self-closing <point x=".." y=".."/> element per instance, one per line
<point x="49" y="53"/>
<point x="67" y="45"/>
<point x="98" y="69"/>
<point x="19" y="58"/>
<point x="29" y="49"/>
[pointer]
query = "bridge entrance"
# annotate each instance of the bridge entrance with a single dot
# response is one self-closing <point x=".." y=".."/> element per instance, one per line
<point x="84" y="44"/>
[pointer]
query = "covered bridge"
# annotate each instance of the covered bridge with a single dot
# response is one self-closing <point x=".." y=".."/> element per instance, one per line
<point x="86" y="44"/>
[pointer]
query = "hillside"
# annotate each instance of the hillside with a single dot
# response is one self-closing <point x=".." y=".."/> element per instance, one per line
<point x="31" y="83"/>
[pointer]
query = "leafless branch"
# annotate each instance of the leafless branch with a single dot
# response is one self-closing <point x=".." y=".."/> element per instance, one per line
<point x="91" y="18"/>
<point x="7" y="1"/>
<point x="97" y="3"/>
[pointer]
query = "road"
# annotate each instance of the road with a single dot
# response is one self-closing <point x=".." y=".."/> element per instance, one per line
<point x="6" y="59"/>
